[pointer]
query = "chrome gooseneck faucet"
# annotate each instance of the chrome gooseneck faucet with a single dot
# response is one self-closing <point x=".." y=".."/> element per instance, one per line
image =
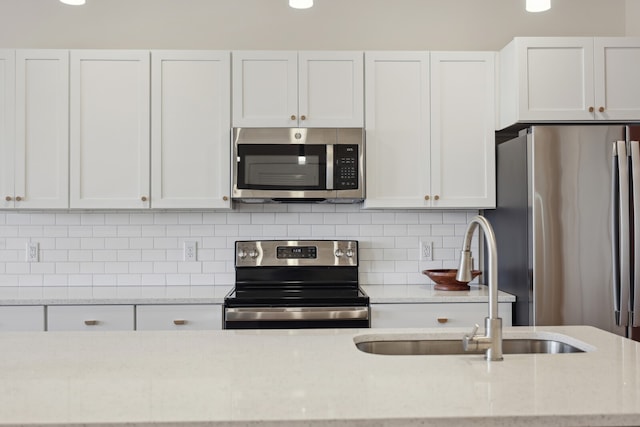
<point x="491" y="341"/>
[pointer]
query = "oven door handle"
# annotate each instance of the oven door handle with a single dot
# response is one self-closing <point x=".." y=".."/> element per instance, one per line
<point x="253" y="314"/>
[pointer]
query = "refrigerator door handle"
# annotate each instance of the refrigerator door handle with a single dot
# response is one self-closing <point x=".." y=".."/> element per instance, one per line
<point x="634" y="298"/>
<point x="615" y="232"/>
<point x="624" y="236"/>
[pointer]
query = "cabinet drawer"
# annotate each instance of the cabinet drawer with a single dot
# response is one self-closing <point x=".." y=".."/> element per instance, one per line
<point x="178" y="317"/>
<point x="434" y="315"/>
<point x="90" y="318"/>
<point x="22" y="318"/>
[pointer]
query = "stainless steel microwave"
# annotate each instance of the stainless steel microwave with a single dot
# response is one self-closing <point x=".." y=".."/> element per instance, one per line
<point x="298" y="165"/>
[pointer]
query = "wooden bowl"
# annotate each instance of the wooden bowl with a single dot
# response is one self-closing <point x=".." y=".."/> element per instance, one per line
<point x="445" y="279"/>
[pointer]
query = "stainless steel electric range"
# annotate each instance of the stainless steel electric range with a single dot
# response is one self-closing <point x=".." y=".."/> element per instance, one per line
<point x="293" y="284"/>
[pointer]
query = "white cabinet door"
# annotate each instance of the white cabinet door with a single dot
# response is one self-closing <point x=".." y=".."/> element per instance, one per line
<point x="617" y="86"/>
<point x="330" y="89"/>
<point x="110" y="146"/>
<point x="90" y="318"/>
<point x="556" y="78"/>
<point x="179" y="317"/>
<point x="265" y="89"/>
<point x="7" y="127"/>
<point x="398" y="155"/>
<point x="42" y="129"/>
<point x="289" y="89"/>
<point x="22" y="318"/>
<point x="463" y="129"/>
<point x="436" y="315"/>
<point x="190" y="131"/>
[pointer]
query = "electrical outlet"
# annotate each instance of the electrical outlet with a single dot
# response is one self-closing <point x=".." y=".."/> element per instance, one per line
<point x="32" y="251"/>
<point x="426" y="250"/>
<point x="190" y="251"/>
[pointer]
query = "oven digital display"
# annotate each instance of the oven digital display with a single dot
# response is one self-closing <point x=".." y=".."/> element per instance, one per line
<point x="297" y="252"/>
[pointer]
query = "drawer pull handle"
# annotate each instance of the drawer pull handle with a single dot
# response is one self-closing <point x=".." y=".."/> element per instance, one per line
<point x="442" y="320"/>
<point x="90" y="322"/>
<point x="179" y="322"/>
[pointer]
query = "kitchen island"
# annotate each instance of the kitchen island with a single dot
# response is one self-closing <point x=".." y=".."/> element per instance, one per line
<point x="310" y="378"/>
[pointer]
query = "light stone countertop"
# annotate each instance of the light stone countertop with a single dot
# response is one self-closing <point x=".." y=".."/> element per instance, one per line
<point x="379" y="294"/>
<point x="387" y="294"/>
<point x="310" y="377"/>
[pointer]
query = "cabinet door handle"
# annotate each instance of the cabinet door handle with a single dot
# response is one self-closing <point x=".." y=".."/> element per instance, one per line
<point x="143" y="198"/>
<point x="91" y="322"/>
<point x="225" y="198"/>
<point x="18" y="198"/>
<point x="591" y="109"/>
<point x="8" y="198"/>
<point x="436" y="197"/>
<point x="293" y="117"/>
<point x="443" y="320"/>
<point x="601" y="109"/>
<point x="427" y="197"/>
<point x="179" y="322"/>
<point x="303" y="117"/>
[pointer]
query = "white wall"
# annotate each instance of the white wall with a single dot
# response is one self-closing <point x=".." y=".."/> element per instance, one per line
<point x="330" y="24"/>
<point x="632" y="23"/>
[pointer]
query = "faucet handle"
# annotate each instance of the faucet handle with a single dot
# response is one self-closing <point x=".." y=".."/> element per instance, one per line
<point x="473" y="331"/>
<point x="468" y="339"/>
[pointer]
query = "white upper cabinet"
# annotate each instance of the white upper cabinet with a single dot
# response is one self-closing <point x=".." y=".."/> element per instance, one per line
<point x="35" y="155"/>
<point x="7" y="126"/>
<point x="191" y="111"/>
<point x="430" y="129"/>
<point x="546" y="79"/>
<point x="617" y="89"/>
<point x="110" y="142"/>
<point x="331" y="89"/>
<point x="306" y="89"/>
<point x="398" y="156"/>
<point x="463" y="129"/>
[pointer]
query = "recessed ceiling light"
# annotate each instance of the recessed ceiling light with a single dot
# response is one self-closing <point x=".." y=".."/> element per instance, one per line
<point x="538" y="5"/>
<point x="74" y="2"/>
<point x="300" y="4"/>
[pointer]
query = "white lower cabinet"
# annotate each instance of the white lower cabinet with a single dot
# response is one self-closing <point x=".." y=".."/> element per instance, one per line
<point x="22" y="318"/>
<point x="178" y="317"/>
<point x="435" y="315"/>
<point x="90" y="318"/>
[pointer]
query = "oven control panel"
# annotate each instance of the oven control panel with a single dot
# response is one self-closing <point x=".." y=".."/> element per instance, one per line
<point x="265" y="253"/>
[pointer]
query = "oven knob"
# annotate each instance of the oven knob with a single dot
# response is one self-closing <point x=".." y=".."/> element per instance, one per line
<point x="349" y="253"/>
<point x="242" y="254"/>
<point x="253" y="253"/>
<point x="339" y="253"/>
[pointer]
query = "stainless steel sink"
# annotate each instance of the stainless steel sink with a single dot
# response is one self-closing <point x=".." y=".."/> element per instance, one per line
<point x="451" y="347"/>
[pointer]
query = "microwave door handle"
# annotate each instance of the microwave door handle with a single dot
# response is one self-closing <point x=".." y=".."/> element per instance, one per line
<point x="624" y="236"/>
<point x="329" y="167"/>
<point x="634" y="302"/>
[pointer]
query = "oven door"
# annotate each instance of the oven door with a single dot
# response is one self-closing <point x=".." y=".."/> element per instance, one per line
<point x="296" y="317"/>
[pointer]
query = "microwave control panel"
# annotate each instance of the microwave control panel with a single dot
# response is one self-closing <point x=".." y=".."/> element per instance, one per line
<point x="345" y="171"/>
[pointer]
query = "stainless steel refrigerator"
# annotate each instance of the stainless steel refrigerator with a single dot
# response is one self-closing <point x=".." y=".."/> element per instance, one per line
<point x="565" y="225"/>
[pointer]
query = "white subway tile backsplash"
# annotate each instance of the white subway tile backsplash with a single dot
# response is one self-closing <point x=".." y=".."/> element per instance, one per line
<point x="141" y="254"/>
<point x="395" y="230"/>
<point x="190" y="218"/>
